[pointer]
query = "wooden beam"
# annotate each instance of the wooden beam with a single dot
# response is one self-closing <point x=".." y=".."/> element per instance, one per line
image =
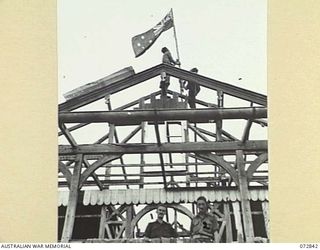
<point x="135" y="117"/>
<point x="148" y="148"/>
<point x="103" y="219"/>
<point x="112" y="88"/>
<point x="129" y="217"/>
<point x="219" y="121"/>
<point x="66" y="172"/>
<point x="266" y="212"/>
<point x="132" y="134"/>
<point x="244" y="196"/>
<point x="237" y="219"/>
<point x="206" y="104"/>
<point x="102" y="139"/>
<point x="261" y="122"/>
<point x="216" y="85"/>
<point x="95" y="166"/>
<point x="156" y="126"/>
<point x="72" y="203"/>
<point x="80" y="125"/>
<point x="154" y="71"/>
<point x="196" y="131"/>
<point x="67" y="134"/>
<point x="255" y="164"/>
<point x="246" y="131"/>
<point x="226" y="211"/>
<point x="222" y="163"/>
<point x="73" y="143"/>
<point x="93" y="175"/>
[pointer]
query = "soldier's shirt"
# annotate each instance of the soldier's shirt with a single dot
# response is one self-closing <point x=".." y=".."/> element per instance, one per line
<point x="158" y="230"/>
<point x="204" y="226"/>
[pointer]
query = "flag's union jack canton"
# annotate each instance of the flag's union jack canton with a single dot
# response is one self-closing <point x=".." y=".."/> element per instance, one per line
<point x="141" y="43"/>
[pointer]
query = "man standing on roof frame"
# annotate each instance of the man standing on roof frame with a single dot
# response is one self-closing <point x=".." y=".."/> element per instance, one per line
<point x="165" y="79"/>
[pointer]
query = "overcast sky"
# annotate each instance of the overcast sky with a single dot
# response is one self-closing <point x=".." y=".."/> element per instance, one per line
<point x="226" y="40"/>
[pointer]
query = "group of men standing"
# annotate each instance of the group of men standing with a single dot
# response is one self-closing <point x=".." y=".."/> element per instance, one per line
<point x="204" y="225"/>
<point x="192" y="87"/>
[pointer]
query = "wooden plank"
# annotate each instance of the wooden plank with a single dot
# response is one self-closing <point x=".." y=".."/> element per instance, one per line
<point x="246" y="131"/>
<point x="222" y="163"/>
<point x="219" y="235"/>
<point x="109" y="234"/>
<point x="66" y="172"/>
<point x="114" y="88"/>
<point x="80" y="125"/>
<point x="244" y="196"/>
<point x="102" y="139"/>
<point x="123" y="182"/>
<point x="132" y="134"/>
<point x="93" y="175"/>
<point x="226" y="211"/>
<point x="129" y="217"/>
<point x="197" y="132"/>
<point x="219" y="121"/>
<point x="261" y="122"/>
<point x="216" y="85"/>
<point x="72" y="203"/>
<point x="68" y="135"/>
<point x="103" y="219"/>
<point x="135" y="117"/>
<point x="106" y="81"/>
<point x="156" y="126"/>
<point x="255" y="164"/>
<point x="142" y="162"/>
<point x="206" y="104"/>
<point x="227" y="147"/>
<point x="95" y="166"/>
<point x="237" y="217"/>
<point x="266" y="216"/>
<point x="74" y="144"/>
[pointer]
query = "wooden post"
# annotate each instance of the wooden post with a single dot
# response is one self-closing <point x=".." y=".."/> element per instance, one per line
<point x="143" y="136"/>
<point x="229" y="237"/>
<point x="129" y="215"/>
<point x="110" y="140"/>
<point x="244" y="196"/>
<point x="103" y="219"/>
<point x="72" y="203"/>
<point x="184" y="125"/>
<point x="219" y="121"/>
<point x="175" y="220"/>
<point x="237" y="218"/>
<point x="265" y="210"/>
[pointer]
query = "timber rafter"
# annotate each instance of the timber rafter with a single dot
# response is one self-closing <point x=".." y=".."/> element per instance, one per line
<point x="155" y="71"/>
<point x="226" y="147"/>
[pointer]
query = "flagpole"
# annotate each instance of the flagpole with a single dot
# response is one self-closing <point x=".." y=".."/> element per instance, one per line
<point x="177" y="48"/>
<point x="175" y="37"/>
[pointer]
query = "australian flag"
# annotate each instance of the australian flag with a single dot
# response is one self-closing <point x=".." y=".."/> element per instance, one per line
<point x="141" y="43"/>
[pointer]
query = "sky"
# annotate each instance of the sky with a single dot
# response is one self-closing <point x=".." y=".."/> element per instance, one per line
<point x="225" y="40"/>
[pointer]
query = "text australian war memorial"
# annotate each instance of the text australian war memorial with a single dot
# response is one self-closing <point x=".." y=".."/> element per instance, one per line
<point x="168" y="166"/>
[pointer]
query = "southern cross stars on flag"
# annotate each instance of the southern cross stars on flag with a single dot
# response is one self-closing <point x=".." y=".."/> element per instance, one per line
<point x="141" y="43"/>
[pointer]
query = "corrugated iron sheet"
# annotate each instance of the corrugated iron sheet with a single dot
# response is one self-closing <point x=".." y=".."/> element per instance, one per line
<point x="148" y="196"/>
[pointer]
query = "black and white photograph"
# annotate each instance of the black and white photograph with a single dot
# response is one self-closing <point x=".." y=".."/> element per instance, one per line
<point x="162" y="121"/>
